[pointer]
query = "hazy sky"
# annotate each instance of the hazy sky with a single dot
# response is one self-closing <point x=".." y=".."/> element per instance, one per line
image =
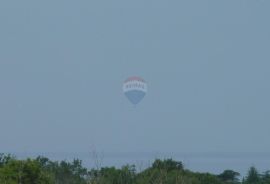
<point x="206" y="62"/>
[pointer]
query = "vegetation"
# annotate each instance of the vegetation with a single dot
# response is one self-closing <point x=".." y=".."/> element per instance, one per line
<point x="44" y="171"/>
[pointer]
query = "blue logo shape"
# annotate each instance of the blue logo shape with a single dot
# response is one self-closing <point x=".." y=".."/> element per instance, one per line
<point x="135" y="89"/>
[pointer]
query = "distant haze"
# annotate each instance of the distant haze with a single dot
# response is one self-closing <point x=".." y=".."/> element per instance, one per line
<point x="63" y="64"/>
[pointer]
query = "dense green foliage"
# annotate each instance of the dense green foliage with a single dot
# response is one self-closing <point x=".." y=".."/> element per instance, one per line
<point x="44" y="171"/>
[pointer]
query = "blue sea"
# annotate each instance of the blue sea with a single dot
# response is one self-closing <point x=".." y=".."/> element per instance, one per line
<point x="200" y="162"/>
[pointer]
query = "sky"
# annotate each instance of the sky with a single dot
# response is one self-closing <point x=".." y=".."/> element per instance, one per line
<point x="63" y="64"/>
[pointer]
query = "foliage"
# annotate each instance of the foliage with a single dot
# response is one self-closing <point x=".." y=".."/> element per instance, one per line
<point x="229" y="176"/>
<point x="44" y="171"/>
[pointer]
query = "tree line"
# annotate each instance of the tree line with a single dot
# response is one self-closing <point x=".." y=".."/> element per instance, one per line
<point x="42" y="170"/>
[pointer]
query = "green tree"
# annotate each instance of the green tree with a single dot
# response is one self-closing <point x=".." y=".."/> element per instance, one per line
<point x="253" y="176"/>
<point x="266" y="177"/>
<point x="168" y="165"/>
<point x="23" y="172"/>
<point x="229" y="176"/>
